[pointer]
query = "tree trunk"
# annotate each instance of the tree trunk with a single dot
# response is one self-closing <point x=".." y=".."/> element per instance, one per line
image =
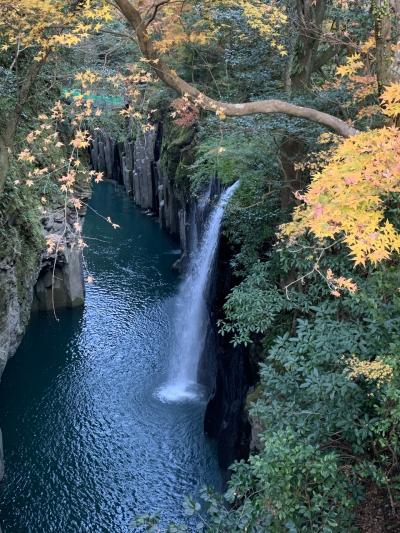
<point x="396" y="59"/>
<point x="290" y="150"/>
<point x="310" y="16"/>
<point x="4" y="163"/>
<point x="383" y="39"/>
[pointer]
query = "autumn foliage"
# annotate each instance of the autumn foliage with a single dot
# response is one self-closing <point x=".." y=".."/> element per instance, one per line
<point x="45" y="25"/>
<point x="345" y="199"/>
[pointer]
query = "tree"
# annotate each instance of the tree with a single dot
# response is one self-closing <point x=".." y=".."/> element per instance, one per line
<point x="31" y="33"/>
<point x="310" y="16"/>
<point x="140" y="20"/>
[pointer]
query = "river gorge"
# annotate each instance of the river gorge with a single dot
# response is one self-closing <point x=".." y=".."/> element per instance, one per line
<point x="88" y="443"/>
<point x="199" y="266"/>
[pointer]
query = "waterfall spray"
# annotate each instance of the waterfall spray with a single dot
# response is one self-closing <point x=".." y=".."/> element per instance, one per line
<point x="191" y="318"/>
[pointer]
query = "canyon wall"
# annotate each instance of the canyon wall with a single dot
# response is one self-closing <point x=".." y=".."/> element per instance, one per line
<point x="32" y="279"/>
<point x="147" y="168"/>
<point x="153" y="170"/>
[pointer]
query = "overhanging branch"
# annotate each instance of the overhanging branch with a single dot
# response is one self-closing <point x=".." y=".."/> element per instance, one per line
<point x="172" y="80"/>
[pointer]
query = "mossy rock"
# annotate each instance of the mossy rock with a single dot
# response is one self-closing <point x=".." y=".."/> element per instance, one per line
<point x="178" y="153"/>
<point x="21" y="238"/>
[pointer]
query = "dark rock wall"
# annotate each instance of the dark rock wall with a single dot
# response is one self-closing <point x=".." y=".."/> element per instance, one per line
<point x="16" y="293"/>
<point x="137" y="166"/>
<point x="61" y="285"/>
<point x="235" y="374"/>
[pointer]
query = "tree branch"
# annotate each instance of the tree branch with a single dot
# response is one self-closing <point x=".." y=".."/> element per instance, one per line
<point x="172" y="80"/>
<point x="156" y="7"/>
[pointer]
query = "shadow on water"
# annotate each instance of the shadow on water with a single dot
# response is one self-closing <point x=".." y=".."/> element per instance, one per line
<point x="87" y="443"/>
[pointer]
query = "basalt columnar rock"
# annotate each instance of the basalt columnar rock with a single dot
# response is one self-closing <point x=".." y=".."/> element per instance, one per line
<point x="235" y="374"/>
<point x="137" y="165"/>
<point x="60" y="283"/>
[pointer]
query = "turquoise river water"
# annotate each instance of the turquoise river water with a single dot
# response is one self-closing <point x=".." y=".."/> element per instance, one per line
<point x="88" y="445"/>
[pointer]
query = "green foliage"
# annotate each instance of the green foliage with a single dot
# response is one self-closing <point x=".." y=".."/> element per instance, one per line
<point x="254" y="211"/>
<point x="21" y="239"/>
<point x="230" y="156"/>
<point x="323" y="433"/>
<point x="295" y="485"/>
<point x="253" y="306"/>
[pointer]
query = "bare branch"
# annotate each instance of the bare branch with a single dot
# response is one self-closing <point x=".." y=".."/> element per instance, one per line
<point x="156" y="7"/>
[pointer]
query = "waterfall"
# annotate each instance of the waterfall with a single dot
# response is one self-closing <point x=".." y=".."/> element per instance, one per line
<point x="191" y="315"/>
<point x="191" y="319"/>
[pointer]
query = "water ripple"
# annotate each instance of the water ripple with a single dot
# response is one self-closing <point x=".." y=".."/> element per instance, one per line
<point x="88" y="445"/>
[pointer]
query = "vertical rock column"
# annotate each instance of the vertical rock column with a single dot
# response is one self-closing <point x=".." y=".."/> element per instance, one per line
<point x="104" y="155"/>
<point x="127" y="167"/>
<point x="144" y="179"/>
<point x="136" y="164"/>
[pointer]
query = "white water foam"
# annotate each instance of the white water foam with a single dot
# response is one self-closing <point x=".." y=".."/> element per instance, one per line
<point x="191" y="318"/>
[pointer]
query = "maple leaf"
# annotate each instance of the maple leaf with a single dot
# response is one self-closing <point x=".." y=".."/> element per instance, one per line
<point x="391" y="100"/>
<point x="345" y="198"/>
<point x="81" y="139"/>
<point x="26" y="155"/>
<point x="76" y="202"/>
<point x="353" y="64"/>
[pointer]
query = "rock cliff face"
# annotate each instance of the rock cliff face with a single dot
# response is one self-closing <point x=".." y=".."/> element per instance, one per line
<point x="139" y="165"/>
<point x="26" y="283"/>
<point x="150" y="170"/>
<point x="16" y="293"/>
<point x="235" y="374"/>
<point x="60" y="282"/>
